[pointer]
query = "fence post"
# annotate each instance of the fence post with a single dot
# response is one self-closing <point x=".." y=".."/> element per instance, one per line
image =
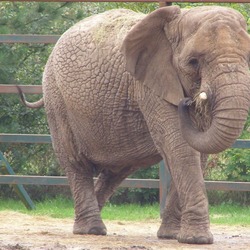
<point x="164" y="4"/>
<point x="19" y="189"/>
<point x="165" y="181"/>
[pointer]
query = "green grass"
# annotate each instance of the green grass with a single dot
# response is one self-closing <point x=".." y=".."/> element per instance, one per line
<point x="230" y="214"/>
<point x="226" y="214"/>
<point x="56" y="208"/>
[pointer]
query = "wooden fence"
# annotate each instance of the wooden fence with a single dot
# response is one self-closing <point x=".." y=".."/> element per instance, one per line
<point x="163" y="183"/>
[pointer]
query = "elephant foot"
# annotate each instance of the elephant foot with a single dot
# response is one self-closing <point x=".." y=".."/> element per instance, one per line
<point x="195" y="237"/>
<point x="167" y="231"/>
<point x="96" y="228"/>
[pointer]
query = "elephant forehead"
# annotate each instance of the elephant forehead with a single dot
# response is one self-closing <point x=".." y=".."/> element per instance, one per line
<point x="207" y="17"/>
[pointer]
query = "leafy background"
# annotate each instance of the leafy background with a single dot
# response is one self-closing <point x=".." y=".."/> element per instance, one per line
<point x="24" y="64"/>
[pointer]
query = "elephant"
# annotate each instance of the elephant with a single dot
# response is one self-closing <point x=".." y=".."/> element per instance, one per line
<point x="124" y="90"/>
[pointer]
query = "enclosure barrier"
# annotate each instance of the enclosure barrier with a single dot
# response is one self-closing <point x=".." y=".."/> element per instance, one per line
<point x="163" y="183"/>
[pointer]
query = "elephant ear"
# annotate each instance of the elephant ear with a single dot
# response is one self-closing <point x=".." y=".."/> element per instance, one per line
<point x="148" y="54"/>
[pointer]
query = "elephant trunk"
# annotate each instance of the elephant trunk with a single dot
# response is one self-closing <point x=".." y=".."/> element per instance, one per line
<point x="231" y="101"/>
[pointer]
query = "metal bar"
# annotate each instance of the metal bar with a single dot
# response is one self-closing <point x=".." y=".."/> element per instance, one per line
<point x="9" y="38"/>
<point x="131" y="183"/>
<point x="42" y="138"/>
<point x="228" y="186"/>
<point x="240" y="143"/>
<point x="63" y="181"/>
<point x="25" y="138"/>
<point x="19" y="189"/>
<point x="28" y="89"/>
<point x="34" y="180"/>
<point x="140" y="183"/>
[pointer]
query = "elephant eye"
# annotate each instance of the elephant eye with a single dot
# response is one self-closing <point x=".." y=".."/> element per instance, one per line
<point x="193" y="62"/>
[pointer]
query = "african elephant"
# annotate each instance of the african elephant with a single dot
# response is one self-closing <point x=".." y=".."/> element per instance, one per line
<point x="124" y="90"/>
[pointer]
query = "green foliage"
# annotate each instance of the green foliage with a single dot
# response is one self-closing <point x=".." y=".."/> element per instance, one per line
<point x="235" y="163"/>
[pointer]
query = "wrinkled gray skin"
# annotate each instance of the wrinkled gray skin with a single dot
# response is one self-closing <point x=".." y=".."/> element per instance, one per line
<point x="111" y="95"/>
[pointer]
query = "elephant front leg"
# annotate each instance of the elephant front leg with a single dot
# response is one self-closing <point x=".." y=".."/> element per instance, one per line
<point x="188" y="179"/>
<point x="171" y="216"/>
<point x="185" y="166"/>
<point x="87" y="213"/>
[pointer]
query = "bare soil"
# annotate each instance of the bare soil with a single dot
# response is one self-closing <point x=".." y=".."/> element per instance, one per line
<point x="25" y="232"/>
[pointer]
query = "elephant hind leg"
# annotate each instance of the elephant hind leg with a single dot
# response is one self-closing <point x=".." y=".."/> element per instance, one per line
<point x="77" y="168"/>
<point x="87" y="212"/>
<point x="80" y="177"/>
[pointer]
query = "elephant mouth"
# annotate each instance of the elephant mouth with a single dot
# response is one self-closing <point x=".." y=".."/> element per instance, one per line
<point x="211" y="121"/>
<point x="200" y="105"/>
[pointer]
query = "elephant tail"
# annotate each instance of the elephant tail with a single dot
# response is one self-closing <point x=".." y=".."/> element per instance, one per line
<point x="33" y="105"/>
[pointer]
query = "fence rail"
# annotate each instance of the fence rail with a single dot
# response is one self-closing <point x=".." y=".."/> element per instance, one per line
<point x="45" y="138"/>
<point x="129" y="182"/>
<point x="139" y="183"/>
<point x="45" y="39"/>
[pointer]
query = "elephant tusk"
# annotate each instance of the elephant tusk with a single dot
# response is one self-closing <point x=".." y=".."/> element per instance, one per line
<point x="203" y="96"/>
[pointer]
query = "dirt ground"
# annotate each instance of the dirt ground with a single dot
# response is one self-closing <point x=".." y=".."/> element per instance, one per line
<point x="25" y="232"/>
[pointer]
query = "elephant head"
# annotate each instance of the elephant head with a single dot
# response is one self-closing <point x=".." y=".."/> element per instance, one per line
<point x="196" y="57"/>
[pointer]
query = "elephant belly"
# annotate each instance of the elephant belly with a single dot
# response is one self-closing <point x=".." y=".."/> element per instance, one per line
<point x="115" y="140"/>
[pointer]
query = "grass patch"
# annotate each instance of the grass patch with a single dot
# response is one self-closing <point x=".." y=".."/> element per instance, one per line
<point x="225" y="214"/>
<point x="56" y="208"/>
<point x="63" y="208"/>
<point x="230" y="214"/>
